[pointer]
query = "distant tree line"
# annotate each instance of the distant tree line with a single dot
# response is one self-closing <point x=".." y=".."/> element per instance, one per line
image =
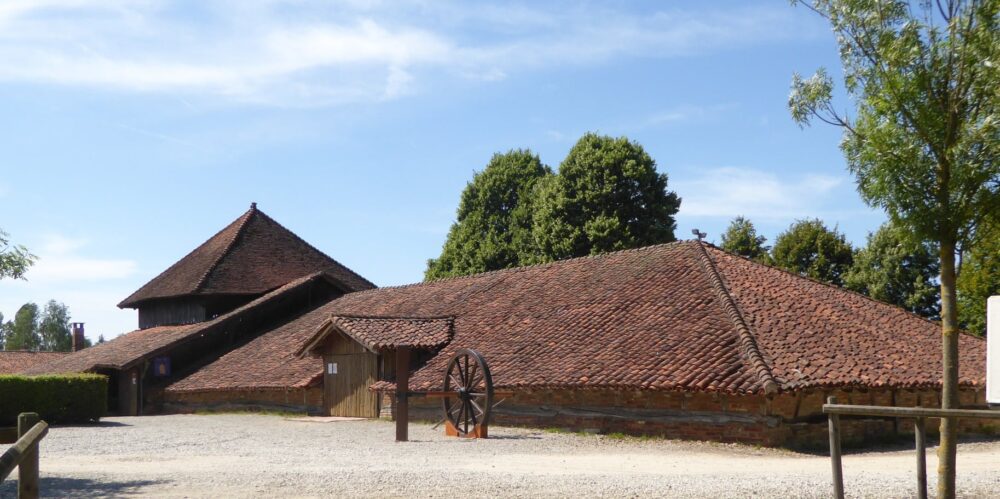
<point x="889" y="268"/>
<point x="38" y="329"/>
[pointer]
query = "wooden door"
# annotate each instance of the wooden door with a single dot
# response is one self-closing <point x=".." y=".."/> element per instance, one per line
<point x="346" y="379"/>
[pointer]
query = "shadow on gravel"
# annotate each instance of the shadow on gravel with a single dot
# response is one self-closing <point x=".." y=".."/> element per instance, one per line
<point x="891" y="443"/>
<point x="100" y="424"/>
<point x="79" y="487"/>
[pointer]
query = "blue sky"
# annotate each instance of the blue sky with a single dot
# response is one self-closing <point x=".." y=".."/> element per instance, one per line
<point x="131" y="131"/>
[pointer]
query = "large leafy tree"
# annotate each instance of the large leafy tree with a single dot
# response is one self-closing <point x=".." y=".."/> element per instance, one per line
<point x="493" y="228"/>
<point x="894" y="269"/>
<point x="923" y="140"/>
<point x="3" y="331"/>
<point x="809" y="248"/>
<point x="742" y="239"/>
<point x="607" y="196"/>
<point x="14" y="259"/>
<point x="23" y="333"/>
<point x="53" y="328"/>
<point x="979" y="279"/>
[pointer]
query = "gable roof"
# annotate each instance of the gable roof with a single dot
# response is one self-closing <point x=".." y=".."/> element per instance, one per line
<point x="131" y="348"/>
<point x="15" y="361"/>
<point x="386" y="333"/>
<point x="252" y="255"/>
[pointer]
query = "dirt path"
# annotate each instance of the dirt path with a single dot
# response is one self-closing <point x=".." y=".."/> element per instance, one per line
<point x="269" y="456"/>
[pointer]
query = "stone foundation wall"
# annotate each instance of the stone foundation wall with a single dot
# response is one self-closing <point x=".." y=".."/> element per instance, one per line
<point x="788" y="419"/>
<point x="304" y="400"/>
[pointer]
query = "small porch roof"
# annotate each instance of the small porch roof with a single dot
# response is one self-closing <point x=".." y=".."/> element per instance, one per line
<point x="384" y="333"/>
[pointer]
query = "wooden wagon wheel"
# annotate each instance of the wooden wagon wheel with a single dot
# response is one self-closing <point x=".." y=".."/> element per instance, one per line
<point x="469" y="378"/>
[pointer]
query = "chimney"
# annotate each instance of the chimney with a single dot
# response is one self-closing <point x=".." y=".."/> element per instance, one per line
<point x="78" y="343"/>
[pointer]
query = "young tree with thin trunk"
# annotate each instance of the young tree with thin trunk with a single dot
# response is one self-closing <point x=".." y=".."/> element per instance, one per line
<point x="924" y="138"/>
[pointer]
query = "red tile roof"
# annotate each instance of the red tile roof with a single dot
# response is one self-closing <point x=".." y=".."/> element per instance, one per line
<point x="15" y="361"/>
<point x="382" y="333"/>
<point x="130" y="348"/>
<point x="266" y="363"/>
<point x="679" y="316"/>
<point x="251" y="256"/>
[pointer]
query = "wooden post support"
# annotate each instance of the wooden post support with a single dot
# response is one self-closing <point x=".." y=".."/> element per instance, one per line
<point x="27" y="470"/>
<point x="920" y="432"/>
<point x="838" y="470"/>
<point x="402" y="393"/>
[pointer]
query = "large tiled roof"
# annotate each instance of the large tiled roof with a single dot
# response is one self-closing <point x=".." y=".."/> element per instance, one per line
<point x="252" y="255"/>
<point x="679" y="316"/>
<point x="15" y="361"/>
<point x="266" y="363"/>
<point x="130" y="348"/>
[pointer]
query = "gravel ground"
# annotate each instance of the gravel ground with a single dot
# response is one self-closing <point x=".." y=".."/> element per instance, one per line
<point x="270" y="456"/>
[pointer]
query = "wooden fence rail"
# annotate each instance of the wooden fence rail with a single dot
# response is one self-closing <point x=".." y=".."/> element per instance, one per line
<point x="919" y="415"/>
<point x="23" y="455"/>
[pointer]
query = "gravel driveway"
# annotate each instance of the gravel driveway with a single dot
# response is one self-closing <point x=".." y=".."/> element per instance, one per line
<point x="271" y="456"/>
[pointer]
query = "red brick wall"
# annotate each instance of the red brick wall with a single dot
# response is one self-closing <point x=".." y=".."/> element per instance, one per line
<point x="305" y="400"/>
<point x="788" y="419"/>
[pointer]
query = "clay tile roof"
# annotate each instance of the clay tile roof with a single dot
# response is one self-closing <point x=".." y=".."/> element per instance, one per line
<point x="679" y="316"/>
<point x="15" y="361"/>
<point x="268" y="362"/>
<point x="130" y="348"/>
<point x="383" y="333"/>
<point x="252" y="255"/>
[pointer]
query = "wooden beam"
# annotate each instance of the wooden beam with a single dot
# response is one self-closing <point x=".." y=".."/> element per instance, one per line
<point x="920" y="432"/>
<point x="27" y="469"/>
<point x="402" y="393"/>
<point x="835" y="458"/>
<point x="907" y="412"/>
<point x="19" y="452"/>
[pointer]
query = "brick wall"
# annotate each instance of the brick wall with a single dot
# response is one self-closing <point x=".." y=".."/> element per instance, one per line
<point x="305" y="400"/>
<point x="788" y="419"/>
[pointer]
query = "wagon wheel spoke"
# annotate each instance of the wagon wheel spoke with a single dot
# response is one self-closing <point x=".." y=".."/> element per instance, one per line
<point x="480" y="409"/>
<point x="458" y="383"/>
<point x="472" y="413"/>
<point x="472" y="377"/>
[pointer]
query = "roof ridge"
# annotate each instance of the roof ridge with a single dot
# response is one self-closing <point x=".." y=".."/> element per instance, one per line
<point x="310" y="246"/>
<point x="384" y="317"/>
<point x="512" y="270"/>
<point x="745" y="334"/>
<point x="836" y="287"/>
<point x="229" y="246"/>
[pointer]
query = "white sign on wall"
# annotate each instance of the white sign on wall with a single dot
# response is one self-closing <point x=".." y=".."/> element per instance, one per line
<point x="331" y="368"/>
<point x="993" y="350"/>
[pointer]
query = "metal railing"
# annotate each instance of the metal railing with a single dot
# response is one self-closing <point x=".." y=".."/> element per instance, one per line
<point x="23" y="455"/>
<point x="919" y="415"/>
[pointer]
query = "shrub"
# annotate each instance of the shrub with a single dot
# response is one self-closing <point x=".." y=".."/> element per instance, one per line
<point x="63" y="398"/>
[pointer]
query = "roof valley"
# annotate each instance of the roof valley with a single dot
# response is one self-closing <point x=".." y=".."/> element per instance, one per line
<point x="748" y="343"/>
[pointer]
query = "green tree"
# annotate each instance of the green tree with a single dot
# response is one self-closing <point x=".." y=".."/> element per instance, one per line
<point x="14" y="259"/>
<point x="100" y="339"/>
<point x="924" y="142"/>
<point x="23" y="334"/>
<point x="607" y="196"/>
<point x="3" y="331"/>
<point x="493" y="228"/>
<point x="54" y="330"/>
<point x="894" y="269"/>
<point x="809" y="248"/>
<point x="741" y="238"/>
<point x="979" y="279"/>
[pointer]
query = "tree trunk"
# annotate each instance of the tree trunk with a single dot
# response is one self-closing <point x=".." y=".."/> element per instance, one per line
<point x="949" y="364"/>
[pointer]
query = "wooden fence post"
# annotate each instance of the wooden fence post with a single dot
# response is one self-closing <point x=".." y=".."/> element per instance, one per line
<point x="920" y="432"/>
<point x="838" y="470"/>
<point x="27" y="471"/>
<point x="402" y="393"/>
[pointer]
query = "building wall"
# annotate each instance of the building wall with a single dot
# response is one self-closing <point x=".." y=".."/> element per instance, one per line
<point x="788" y="419"/>
<point x="304" y="400"/>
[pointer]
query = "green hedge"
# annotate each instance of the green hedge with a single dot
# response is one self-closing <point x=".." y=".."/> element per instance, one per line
<point x="58" y="398"/>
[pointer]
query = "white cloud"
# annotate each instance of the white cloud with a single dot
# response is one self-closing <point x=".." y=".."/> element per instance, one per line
<point x="728" y="192"/>
<point x="59" y="261"/>
<point x="305" y="53"/>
